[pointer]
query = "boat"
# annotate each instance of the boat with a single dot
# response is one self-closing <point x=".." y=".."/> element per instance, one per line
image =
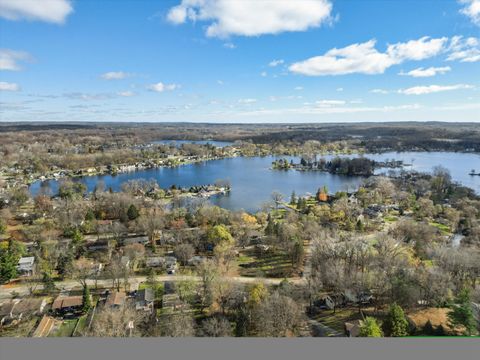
<point x="473" y="173"/>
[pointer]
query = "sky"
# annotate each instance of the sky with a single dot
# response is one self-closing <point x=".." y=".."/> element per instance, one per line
<point x="240" y="61"/>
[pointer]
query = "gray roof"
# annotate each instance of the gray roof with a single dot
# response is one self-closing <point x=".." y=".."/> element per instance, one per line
<point x="145" y="295"/>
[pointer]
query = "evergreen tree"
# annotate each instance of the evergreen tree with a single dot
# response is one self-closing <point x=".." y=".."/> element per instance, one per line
<point x="8" y="266"/>
<point x="396" y="324"/>
<point x="132" y="212"/>
<point x="293" y="198"/>
<point x="370" y="328"/>
<point x="461" y="313"/>
<point x="48" y="283"/>
<point x="87" y="302"/>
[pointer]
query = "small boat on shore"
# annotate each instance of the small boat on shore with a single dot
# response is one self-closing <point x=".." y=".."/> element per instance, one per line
<point x="473" y="173"/>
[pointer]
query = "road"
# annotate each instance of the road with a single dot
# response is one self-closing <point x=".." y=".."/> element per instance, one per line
<point x="66" y="285"/>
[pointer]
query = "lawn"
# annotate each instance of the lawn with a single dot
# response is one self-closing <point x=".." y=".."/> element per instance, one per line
<point x="23" y="329"/>
<point x="65" y="329"/>
<point x="158" y="290"/>
<point x="337" y="321"/>
<point x="270" y="264"/>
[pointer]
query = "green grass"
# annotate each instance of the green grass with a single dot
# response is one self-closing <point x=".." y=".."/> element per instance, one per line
<point x="158" y="291"/>
<point x="82" y="323"/>
<point x="65" y="329"/>
<point x="390" y="218"/>
<point x="23" y="329"/>
<point x="337" y="321"/>
<point x="443" y="228"/>
<point x="272" y="264"/>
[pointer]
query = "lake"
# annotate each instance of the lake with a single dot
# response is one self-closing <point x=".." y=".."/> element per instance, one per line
<point x="253" y="181"/>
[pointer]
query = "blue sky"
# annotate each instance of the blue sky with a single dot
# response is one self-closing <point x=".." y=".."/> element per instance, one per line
<point x="239" y="60"/>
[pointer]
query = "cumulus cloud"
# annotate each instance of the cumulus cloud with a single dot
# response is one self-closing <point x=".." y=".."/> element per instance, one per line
<point x="428" y="72"/>
<point x="114" y="75"/>
<point x="9" y="59"/>
<point x="364" y="58"/>
<point x="422" y="90"/>
<point x="161" y="87"/>
<point x="6" y="86"/>
<point x="464" y="49"/>
<point x="274" y="63"/>
<point x="251" y="17"/>
<point x="472" y="10"/>
<point x="54" y="11"/>
<point x="229" y="45"/>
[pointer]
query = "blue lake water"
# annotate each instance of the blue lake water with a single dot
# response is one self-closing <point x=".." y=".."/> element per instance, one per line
<point x="253" y="181"/>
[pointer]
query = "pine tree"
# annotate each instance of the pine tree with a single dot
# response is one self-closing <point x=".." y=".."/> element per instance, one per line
<point x="132" y="212"/>
<point x="293" y="198"/>
<point x="461" y="313"/>
<point x="396" y="324"/>
<point x="87" y="302"/>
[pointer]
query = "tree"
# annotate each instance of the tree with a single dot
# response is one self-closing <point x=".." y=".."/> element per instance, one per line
<point x="293" y="198"/>
<point x="396" y="324"/>
<point x="111" y="322"/>
<point x="48" y="283"/>
<point x="87" y="301"/>
<point x="208" y="273"/>
<point x="277" y="198"/>
<point x="279" y="316"/>
<point x="179" y="324"/>
<point x="370" y="328"/>
<point x="184" y="252"/>
<point x="218" y="234"/>
<point x="132" y="212"/>
<point x="217" y="326"/>
<point x="461" y="313"/>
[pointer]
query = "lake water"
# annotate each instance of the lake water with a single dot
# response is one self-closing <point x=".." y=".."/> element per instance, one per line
<point x="253" y="181"/>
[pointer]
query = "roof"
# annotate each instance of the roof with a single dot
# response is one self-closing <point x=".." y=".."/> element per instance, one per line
<point x="116" y="298"/>
<point x="66" y="302"/>
<point x="353" y="328"/>
<point x="145" y="295"/>
<point x="26" y="263"/>
<point x="44" y="327"/>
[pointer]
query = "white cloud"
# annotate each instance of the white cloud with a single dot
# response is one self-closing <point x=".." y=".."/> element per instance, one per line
<point x="251" y="17"/>
<point x="422" y="90"/>
<point x="263" y="74"/>
<point x="6" y="86"/>
<point x="428" y="72"/>
<point x="126" y="93"/>
<point x="54" y="11"/>
<point x="298" y="88"/>
<point x="115" y="75"/>
<point x="161" y="87"/>
<point x="329" y="103"/>
<point x="274" y="63"/>
<point x="464" y="49"/>
<point x="379" y="91"/>
<point x="364" y="58"/>
<point x="229" y="45"/>
<point x="340" y="89"/>
<point x="472" y="10"/>
<point x="247" y="101"/>
<point x="9" y="59"/>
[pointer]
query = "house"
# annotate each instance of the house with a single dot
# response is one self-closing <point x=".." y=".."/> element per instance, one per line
<point x="26" y="266"/>
<point x="155" y="261"/>
<point x="196" y="260"/>
<point x="144" y="299"/>
<point x="352" y="328"/>
<point x="136" y="240"/>
<point x="116" y="299"/>
<point x="170" y="264"/>
<point x="63" y="305"/>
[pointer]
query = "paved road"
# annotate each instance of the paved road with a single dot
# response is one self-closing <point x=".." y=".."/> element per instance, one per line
<point x="23" y="289"/>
